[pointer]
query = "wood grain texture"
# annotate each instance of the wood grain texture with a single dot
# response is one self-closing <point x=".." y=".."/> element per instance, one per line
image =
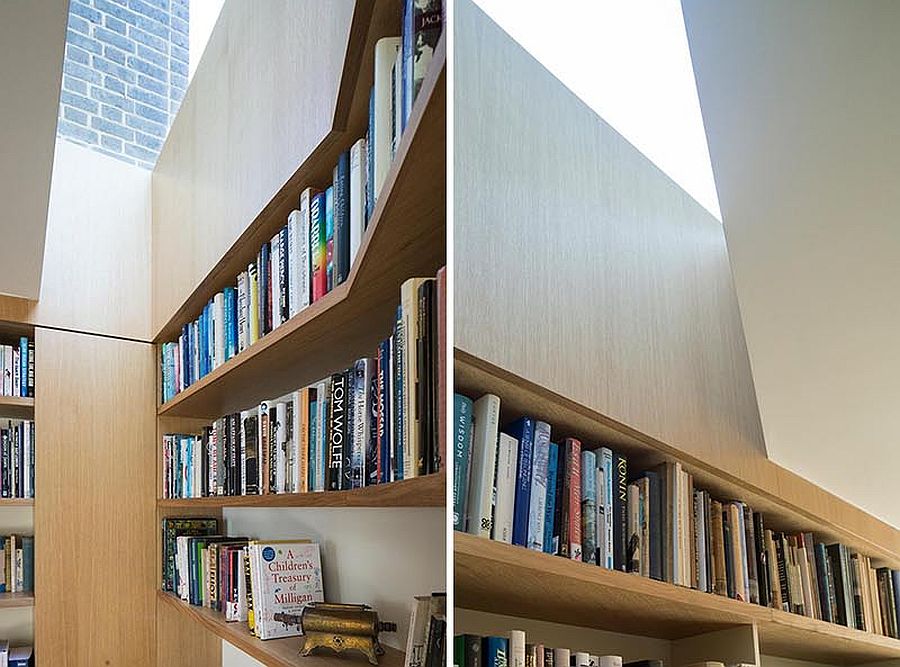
<point x="272" y="652"/>
<point x="405" y="237"/>
<point x="582" y="267"/>
<point x="788" y="502"/>
<point x="505" y="579"/>
<point x="242" y="131"/>
<point x="426" y="491"/>
<point x="96" y="275"/>
<point x="181" y="644"/>
<point x="16" y="407"/>
<point x="96" y="569"/>
<point x="12" y="600"/>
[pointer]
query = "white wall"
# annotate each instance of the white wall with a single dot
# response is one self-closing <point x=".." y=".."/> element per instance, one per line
<point x="800" y="104"/>
<point x="365" y="556"/>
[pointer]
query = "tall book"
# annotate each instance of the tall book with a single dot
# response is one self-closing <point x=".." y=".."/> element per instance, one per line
<point x="342" y="218"/>
<point x="381" y="132"/>
<point x="486" y="416"/>
<point x="423" y="30"/>
<point x="317" y="244"/>
<point x="505" y="488"/>
<point x="550" y="506"/>
<point x="589" y="506"/>
<point x="337" y="431"/>
<point x="357" y="197"/>
<point x="620" y="511"/>
<point x="523" y="431"/>
<point x="409" y="306"/>
<point x="462" y="455"/>
<point x="605" y="463"/>
<point x="538" y="495"/>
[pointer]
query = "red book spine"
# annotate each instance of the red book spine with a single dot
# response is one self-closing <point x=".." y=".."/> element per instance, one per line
<point x="574" y="471"/>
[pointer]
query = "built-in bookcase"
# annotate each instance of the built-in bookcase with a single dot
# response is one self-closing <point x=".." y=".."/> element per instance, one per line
<point x="405" y="237"/>
<point x="16" y="514"/>
<point x="489" y="575"/>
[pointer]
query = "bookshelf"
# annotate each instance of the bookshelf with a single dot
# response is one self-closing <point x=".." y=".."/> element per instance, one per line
<point x="16" y="407"/>
<point x="405" y="237"/>
<point x="13" y="600"/>
<point x="489" y="575"/>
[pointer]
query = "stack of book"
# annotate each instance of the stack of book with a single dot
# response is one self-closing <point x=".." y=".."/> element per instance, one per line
<point x="517" y="486"/>
<point x="495" y="651"/>
<point x="315" y="250"/>
<point x="17" y="558"/>
<point x="246" y="580"/>
<point x="16" y="458"/>
<point x="375" y="422"/>
<point x="425" y="644"/>
<point x="17" y="369"/>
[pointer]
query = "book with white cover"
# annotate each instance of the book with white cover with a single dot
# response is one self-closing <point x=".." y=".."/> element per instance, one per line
<point x="538" y="497"/>
<point x="385" y="55"/>
<point x="289" y="574"/>
<point x="417" y="637"/>
<point x="486" y="418"/>
<point x="243" y="300"/>
<point x="516" y="648"/>
<point x="582" y="659"/>
<point x="505" y="484"/>
<point x="357" y="197"/>
<point x="275" y="278"/>
<point x="300" y="296"/>
<point x="409" y="301"/>
<point x="322" y="390"/>
<point x="218" y="329"/>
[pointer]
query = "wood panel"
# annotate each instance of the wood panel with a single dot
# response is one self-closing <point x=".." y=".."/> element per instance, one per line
<point x="181" y="644"/>
<point x="580" y="266"/>
<point x="792" y="504"/>
<point x="96" y="275"/>
<point x="16" y="407"/>
<point x="242" y="131"/>
<point x="504" y="579"/>
<point x="96" y="569"/>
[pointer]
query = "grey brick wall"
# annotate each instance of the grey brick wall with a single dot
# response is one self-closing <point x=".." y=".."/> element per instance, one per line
<point x="124" y="75"/>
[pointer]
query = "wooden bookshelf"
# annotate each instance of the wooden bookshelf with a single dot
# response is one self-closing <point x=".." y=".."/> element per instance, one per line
<point x="14" y="600"/>
<point x="16" y="502"/>
<point x="16" y="407"/>
<point x="272" y="652"/>
<point x="504" y="579"/>
<point x="425" y="491"/>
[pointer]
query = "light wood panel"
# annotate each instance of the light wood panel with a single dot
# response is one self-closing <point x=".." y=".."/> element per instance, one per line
<point x="405" y="237"/>
<point x="16" y="407"/>
<point x="183" y="644"/>
<point x="580" y="266"/>
<point x="261" y="100"/>
<point x="505" y="579"/>
<point x="12" y="600"/>
<point x="96" y="275"/>
<point x="272" y="652"/>
<point x="426" y="491"/>
<point x="96" y="569"/>
<point x="793" y="504"/>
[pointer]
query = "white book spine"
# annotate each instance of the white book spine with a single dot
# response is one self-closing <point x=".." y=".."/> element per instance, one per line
<point x="275" y="278"/>
<point x="357" y="196"/>
<point x="293" y="230"/>
<point x="516" y="648"/>
<point x="396" y="101"/>
<point x="561" y="656"/>
<point x="507" y="454"/>
<point x="298" y="426"/>
<point x="385" y="56"/>
<point x="304" y="256"/>
<point x="486" y="417"/>
<point x="538" y="500"/>
<point x="610" y="661"/>
<point x="609" y="479"/>
<point x="219" y="329"/>
<point x="242" y="311"/>
<point x="279" y="444"/>
<point x="582" y="659"/>
<point x="600" y="517"/>
<point x="16" y="374"/>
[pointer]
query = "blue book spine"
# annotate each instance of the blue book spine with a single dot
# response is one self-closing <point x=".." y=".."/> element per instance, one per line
<point x="462" y="455"/>
<point x="523" y="431"/>
<point x="538" y="495"/>
<point x="370" y="158"/>
<point x="550" y="513"/>
<point x="185" y="347"/>
<point x="23" y="366"/>
<point x="589" y="506"/>
<point x="385" y="379"/>
<point x="190" y="467"/>
<point x="496" y="652"/>
<point x="407" y="56"/>
<point x="231" y="322"/>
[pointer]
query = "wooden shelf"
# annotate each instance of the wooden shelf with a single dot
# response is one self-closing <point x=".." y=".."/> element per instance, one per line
<point x="503" y="579"/>
<point x="17" y="502"/>
<point x="16" y="407"/>
<point x="405" y="238"/>
<point x="14" y="600"/>
<point x="272" y="652"/>
<point x="426" y="491"/>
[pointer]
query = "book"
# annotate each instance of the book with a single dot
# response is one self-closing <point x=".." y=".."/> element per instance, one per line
<point x="620" y="511"/>
<point x="462" y="455"/>
<point x="505" y="488"/>
<point x="337" y="431"/>
<point x="589" y="506"/>
<point x="380" y="133"/>
<point x="341" y="184"/>
<point x="550" y="507"/>
<point x="523" y="431"/>
<point x="486" y="416"/>
<point x="538" y="493"/>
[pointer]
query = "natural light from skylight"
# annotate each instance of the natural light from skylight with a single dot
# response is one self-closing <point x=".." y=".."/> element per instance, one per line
<point x="629" y="61"/>
<point x="204" y="14"/>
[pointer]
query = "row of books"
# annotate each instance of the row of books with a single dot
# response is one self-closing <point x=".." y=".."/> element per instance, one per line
<point x="17" y="369"/>
<point x="16" y="458"/>
<point x="17" y="554"/>
<point x="426" y="643"/>
<point x="249" y="581"/>
<point x="317" y="247"/>
<point x="19" y="656"/>
<point x="513" y="651"/>
<point x="519" y="487"/>
<point x="372" y="423"/>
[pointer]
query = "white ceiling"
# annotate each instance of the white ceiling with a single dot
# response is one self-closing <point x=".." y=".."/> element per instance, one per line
<point x="32" y="43"/>
<point x="801" y="103"/>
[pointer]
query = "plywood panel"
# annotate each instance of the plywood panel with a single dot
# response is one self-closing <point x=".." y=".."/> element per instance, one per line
<point x="582" y="267"/>
<point x="262" y="99"/>
<point x="96" y="568"/>
<point x="182" y="643"/>
<point x="96" y="274"/>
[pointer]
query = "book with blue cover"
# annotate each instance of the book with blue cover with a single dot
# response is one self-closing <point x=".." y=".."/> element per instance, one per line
<point x="496" y="652"/>
<point x="462" y="451"/>
<point x="550" y="509"/>
<point x="523" y="431"/>
<point x="538" y="499"/>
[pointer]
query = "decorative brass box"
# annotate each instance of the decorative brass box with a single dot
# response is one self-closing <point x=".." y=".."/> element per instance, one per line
<point x="340" y="627"/>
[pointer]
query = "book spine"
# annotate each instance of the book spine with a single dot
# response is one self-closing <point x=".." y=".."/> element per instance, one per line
<point x="30" y="369"/>
<point x="342" y="218"/>
<point x="589" y="506"/>
<point x="22" y="383"/>
<point x="550" y="509"/>
<point x="462" y="450"/>
<point x="399" y="356"/>
<point x="386" y="433"/>
<point x="283" y="277"/>
<point x="538" y="495"/>
<point x="317" y="244"/>
<point x="361" y="423"/>
<point x="357" y="204"/>
<point x="370" y="158"/>
<point x="329" y="238"/>
<point x="574" y="499"/>
<point x="304" y="252"/>
<point x="337" y="428"/>
<point x="525" y="431"/>
<point x="750" y="547"/>
<point x="385" y="57"/>
<point x="620" y="511"/>
<point x="486" y="416"/>
<point x="504" y="508"/>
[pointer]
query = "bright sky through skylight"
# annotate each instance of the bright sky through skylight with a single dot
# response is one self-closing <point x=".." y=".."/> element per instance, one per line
<point x="629" y="61"/>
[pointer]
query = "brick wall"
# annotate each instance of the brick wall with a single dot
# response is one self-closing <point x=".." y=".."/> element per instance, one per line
<point x="124" y="75"/>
